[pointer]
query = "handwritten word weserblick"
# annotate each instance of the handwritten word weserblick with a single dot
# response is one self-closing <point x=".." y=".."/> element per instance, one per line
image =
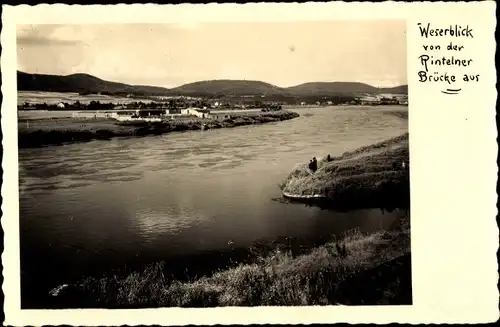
<point x="438" y="68"/>
<point x="453" y="30"/>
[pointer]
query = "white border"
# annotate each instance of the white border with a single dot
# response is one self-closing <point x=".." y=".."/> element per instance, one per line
<point x="453" y="170"/>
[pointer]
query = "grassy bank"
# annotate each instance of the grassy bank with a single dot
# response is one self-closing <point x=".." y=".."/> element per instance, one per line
<point x="369" y="177"/>
<point x="35" y="133"/>
<point x="374" y="270"/>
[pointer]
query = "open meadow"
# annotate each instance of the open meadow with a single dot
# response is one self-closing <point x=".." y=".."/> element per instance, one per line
<point x="40" y="97"/>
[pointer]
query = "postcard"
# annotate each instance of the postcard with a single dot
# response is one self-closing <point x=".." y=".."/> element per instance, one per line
<point x="265" y="163"/>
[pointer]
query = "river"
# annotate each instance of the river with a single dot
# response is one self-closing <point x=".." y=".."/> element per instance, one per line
<point x="90" y="207"/>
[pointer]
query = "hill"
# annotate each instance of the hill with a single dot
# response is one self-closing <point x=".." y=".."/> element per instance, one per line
<point x="403" y="89"/>
<point x="229" y="87"/>
<point x="332" y="88"/>
<point x="244" y="87"/>
<point x="342" y="88"/>
<point x="80" y="83"/>
<point x="84" y="83"/>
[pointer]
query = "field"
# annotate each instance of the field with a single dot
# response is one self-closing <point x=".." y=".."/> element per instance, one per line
<point x="34" y="133"/>
<point x="68" y="124"/>
<point x="57" y="97"/>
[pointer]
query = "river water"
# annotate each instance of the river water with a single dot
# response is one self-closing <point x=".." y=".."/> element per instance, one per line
<point x="89" y="207"/>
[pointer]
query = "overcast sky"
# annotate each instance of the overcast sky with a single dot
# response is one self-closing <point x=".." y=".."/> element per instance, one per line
<point x="284" y="54"/>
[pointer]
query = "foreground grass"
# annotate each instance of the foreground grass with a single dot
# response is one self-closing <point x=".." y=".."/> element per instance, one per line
<point x="379" y="262"/>
<point x="371" y="177"/>
<point x="41" y="132"/>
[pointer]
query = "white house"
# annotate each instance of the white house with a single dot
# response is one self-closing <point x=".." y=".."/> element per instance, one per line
<point x="200" y="113"/>
<point x="369" y="99"/>
<point x="95" y="114"/>
<point x="387" y="96"/>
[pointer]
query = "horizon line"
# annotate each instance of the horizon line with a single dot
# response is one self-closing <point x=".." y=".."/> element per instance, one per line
<point x="220" y="79"/>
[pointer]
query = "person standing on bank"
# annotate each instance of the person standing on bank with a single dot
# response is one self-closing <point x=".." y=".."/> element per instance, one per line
<point x="314" y="165"/>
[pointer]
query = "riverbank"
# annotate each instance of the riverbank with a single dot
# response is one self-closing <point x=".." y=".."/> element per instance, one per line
<point x="369" y="177"/>
<point x="41" y="132"/>
<point x="375" y="269"/>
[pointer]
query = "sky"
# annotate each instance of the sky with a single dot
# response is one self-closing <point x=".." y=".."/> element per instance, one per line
<point x="281" y="53"/>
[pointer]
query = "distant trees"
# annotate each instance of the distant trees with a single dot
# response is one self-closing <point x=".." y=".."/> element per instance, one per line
<point x="227" y="102"/>
<point x="96" y="105"/>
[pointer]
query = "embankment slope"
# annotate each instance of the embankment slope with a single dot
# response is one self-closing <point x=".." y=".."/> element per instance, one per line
<point x="368" y="177"/>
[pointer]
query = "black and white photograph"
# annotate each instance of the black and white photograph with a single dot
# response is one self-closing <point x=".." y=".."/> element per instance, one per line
<point x="213" y="164"/>
<point x="258" y="163"/>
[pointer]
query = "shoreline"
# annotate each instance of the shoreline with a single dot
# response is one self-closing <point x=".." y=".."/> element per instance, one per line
<point x="323" y="275"/>
<point x="59" y="131"/>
